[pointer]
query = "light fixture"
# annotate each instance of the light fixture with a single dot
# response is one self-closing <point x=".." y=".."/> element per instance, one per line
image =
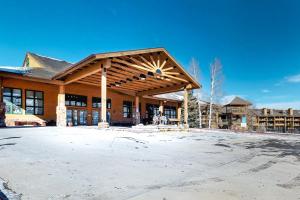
<point x="150" y="74"/>
<point x="143" y="77"/>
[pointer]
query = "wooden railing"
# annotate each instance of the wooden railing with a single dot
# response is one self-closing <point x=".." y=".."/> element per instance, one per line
<point x="236" y="110"/>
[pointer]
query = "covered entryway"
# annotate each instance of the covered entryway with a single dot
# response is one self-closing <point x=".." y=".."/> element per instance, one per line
<point x="137" y="73"/>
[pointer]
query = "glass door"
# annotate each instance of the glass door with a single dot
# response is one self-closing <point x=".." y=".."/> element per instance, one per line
<point x="95" y="117"/>
<point x="82" y="117"/>
<point x="75" y="118"/>
<point x="69" y="117"/>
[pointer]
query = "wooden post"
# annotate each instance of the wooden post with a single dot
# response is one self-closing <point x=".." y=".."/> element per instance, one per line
<point x="105" y="66"/>
<point x="179" y="113"/>
<point x="2" y="105"/>
<point x="161" y="107"/>
<point x="186" y="115"/>
<point x="1" y="89"/>
<point x="137" y="110"/>
<point x="61" y="110"/>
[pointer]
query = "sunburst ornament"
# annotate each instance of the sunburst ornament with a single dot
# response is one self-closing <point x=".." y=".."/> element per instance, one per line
<point x="154" y="67"/>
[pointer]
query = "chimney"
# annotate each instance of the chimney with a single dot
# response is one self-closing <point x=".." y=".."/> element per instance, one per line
<point x="290" y="111"/>
<point x="265" y="111"/>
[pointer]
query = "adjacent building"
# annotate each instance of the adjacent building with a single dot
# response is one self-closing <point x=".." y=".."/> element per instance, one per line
<point x="238" y="115"/>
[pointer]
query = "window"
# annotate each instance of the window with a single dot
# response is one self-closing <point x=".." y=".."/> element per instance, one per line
<point x="127" y="109"/>
<point x="12" y="97"/>
<point x="34" y="102"/>
<point x="96" y="102"/>
<point x="76" y="100"/>
<point x="170" y="111"/>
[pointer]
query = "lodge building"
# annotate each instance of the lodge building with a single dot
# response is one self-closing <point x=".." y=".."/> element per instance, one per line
<point x="117" y="88"/>
<point x="238" y="115"/>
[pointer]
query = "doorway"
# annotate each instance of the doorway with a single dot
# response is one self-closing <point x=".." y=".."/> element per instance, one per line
<point x="151" y="111"/>
<point x="76" y="117"/>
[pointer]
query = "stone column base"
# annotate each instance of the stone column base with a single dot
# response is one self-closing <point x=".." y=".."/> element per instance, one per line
<point x="103" y="125"/>
<point x="186" y="126"/>
<point x="2" y="114"/>
<point x="61" y="116"/>
<point x="137" y="118"/>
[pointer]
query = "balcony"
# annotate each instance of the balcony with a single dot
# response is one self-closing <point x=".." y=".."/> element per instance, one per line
<point x="239" y="110"/>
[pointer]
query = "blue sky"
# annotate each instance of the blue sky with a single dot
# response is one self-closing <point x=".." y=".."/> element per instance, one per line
<point x="258" y="42"/>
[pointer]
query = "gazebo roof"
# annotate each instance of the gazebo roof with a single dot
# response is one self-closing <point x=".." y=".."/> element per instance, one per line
<point x="237" y="101"/>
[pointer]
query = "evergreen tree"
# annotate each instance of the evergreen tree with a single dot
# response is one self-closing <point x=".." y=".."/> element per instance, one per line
<point x="193" y="111"/>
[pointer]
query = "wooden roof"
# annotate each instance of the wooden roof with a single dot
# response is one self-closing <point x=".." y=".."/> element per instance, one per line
<point x="237" y="101"/>
<point x="142" y="72"/>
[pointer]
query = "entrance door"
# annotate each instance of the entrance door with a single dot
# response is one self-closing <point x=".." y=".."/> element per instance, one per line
<point x="69" y="117"/>
<point x="95" y="117"/>
<point x="151" y="111"/>
<point x="82" y="117"/>
<point x="75" y="118"/>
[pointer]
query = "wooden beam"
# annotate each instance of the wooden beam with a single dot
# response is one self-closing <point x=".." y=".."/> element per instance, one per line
<point x="174" y="77"/>
<point x="168" y="69"/>
<point x="116" y="89"/>
<point x="130" y="64"/>
<point x="163" y="64"/>
<point x="92" y="69"/>
<point x="172" y="73"/>
<point x="146" y="61"/>
<point x="153" y="61"/>
<point x="158" y="62"/>
<point x="76" y="66"/>
<point x="137" y="73"/>
<point x="140" y="63"/>
<point x="161" y="90"/>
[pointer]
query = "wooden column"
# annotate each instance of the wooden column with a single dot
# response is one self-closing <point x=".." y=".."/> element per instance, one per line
<point x="1" y="89"/>
<point x="186" y="115"/>
<point x="137" y="110"/>
<point x="161" y="107"/>
<point x="105" y="66"/>
<point x="2" y="105"/>
<point x="61" y="110"/>
<point x="179" y="114"/>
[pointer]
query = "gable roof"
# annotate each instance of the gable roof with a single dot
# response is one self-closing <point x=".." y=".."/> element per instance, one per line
<point x="237" y="101"/>
<point x="100" y="56"/>
<point x="42" y="66"/>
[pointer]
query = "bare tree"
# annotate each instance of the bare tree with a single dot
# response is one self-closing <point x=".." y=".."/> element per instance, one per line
<point x="195" y="69"/>
<point x="216" y="80"/>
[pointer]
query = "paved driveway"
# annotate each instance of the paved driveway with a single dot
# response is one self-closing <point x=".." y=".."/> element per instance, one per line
<point x="85" y="163"/>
